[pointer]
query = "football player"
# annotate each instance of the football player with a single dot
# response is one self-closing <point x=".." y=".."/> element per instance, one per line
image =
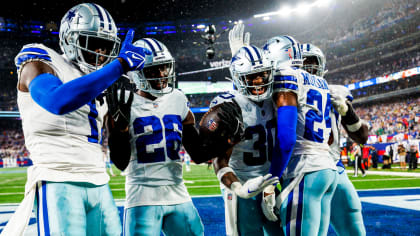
<point x="62" y="123"/>
<point x="304" y="125"/>
<point x="346" y="209"/>
<point x="244" y="171"/>
<point x="146" y="133"/>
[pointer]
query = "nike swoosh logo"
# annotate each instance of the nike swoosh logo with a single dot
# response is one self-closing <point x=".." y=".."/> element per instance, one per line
<point x="135" y="55"/>
<point x="251" y="191"/>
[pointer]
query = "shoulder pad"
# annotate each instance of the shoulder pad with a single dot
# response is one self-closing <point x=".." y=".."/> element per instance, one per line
<point x="221" y="98"/>
<point x="31" y="52"/>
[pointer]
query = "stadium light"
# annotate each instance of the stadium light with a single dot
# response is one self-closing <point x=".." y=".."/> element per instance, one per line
<point x="302" y="8"/>
<point x="285" y="11"/>
<point x="322" y="3"/>
<point x="266" y="18"/>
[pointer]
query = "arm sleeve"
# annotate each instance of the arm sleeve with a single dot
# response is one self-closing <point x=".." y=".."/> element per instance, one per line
<point x="119" y="148"/>
<point x="286" y="139"/>
<point x="50" y="93"/>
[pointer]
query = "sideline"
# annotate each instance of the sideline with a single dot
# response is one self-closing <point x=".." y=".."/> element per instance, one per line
<point x="393" y="173"/>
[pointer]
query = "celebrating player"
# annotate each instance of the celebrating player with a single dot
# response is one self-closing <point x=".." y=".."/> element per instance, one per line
<point x="346" y="209"/>
<point x="243" y="171"/>
<point x="304" y="126"/>
<point x="146" y="132"/>
<point x="62" y="123"/>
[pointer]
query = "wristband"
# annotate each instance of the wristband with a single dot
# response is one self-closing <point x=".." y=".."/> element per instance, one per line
<point x="222" y="172"/>
<point x="354" y="127"/>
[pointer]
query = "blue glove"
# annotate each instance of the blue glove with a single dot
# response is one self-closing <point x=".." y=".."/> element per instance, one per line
<point x="135" y="57"/>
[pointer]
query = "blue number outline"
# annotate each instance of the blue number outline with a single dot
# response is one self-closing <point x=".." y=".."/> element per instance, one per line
<point x="312" y="116"/>
<point x="172" y="138"/>
<point x="264" y="143"/>
<point x="94" y="131"/>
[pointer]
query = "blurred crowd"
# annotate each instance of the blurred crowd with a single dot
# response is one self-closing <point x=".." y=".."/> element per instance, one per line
<point x="12" y="147"/>
<point x="394" y="117"/>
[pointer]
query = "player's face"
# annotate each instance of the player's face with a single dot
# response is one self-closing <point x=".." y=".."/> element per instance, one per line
<point x="259" y="80"/>
<point x="97" y="45"/>
<point x="309" y="64"/>
<point x="158" y="71"/>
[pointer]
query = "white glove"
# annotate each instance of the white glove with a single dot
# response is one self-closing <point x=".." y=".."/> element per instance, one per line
<point x="268" y="202"/>
<point x="339" y="103"/>
<point x="237" y="39"/>
<point x="253" y="186"/>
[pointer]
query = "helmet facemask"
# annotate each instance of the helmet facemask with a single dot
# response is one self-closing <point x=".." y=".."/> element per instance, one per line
<point x="257" y="85"/>
<point x="94" y="52"/>
<point x="160" y="77"/>
<point x="312" y="65"/>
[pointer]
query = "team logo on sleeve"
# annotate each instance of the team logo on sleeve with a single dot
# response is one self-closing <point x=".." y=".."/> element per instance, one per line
<point x="211" y="125"/>
<point x="229" y="196"/>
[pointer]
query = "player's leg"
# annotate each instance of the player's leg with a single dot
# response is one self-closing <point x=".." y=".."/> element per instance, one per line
<point x="346" y="209"/>
<point x="301" y="212"/>
<point x="60" y="208"/>
<point x="142" y="220"/>
<point x="250" y="216"/>
<point x="102" y="213"/>
<point x="326" y="204"/>
<point x="182" y="219"/>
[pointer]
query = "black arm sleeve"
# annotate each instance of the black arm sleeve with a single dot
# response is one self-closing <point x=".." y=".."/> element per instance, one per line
<point x="120" y="149"/>
<point x="351" y="116"/>
<point x="196" y="146"/>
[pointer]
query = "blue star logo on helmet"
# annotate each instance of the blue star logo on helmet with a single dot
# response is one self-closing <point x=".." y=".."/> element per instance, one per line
<point x="70" y="15"/>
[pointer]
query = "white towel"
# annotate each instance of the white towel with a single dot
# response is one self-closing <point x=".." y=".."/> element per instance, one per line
<point x="20" y="219"/>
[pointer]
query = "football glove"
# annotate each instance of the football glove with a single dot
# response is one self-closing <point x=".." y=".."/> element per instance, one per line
<point x="268" y="203"/>
<point x="118" y="108"/>
<point x="135" y="56"/>
<point x="339" y="103"/>
<point x="230" y="115"/>
<point x="237" y="39"/>
<point x="253" y="186"/>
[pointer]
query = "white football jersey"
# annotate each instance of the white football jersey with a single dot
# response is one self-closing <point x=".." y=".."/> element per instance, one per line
<point x="335" y="150"/>
<point x="251" y="157"/>
<point x="62" y="147"/>
<point x="154" y="173"/>
<point x="311" y="151"/>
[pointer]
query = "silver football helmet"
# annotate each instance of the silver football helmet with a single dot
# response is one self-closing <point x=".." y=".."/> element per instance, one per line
<point x="314" y="59"/>
<point x="252" y="73"/>
<point x="283" y="51"/>
<point x="158" y="75"/>
<point x="88" y="36"/>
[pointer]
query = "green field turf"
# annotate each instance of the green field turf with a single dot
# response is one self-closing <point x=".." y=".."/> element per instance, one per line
<point x="199" y="181"/>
